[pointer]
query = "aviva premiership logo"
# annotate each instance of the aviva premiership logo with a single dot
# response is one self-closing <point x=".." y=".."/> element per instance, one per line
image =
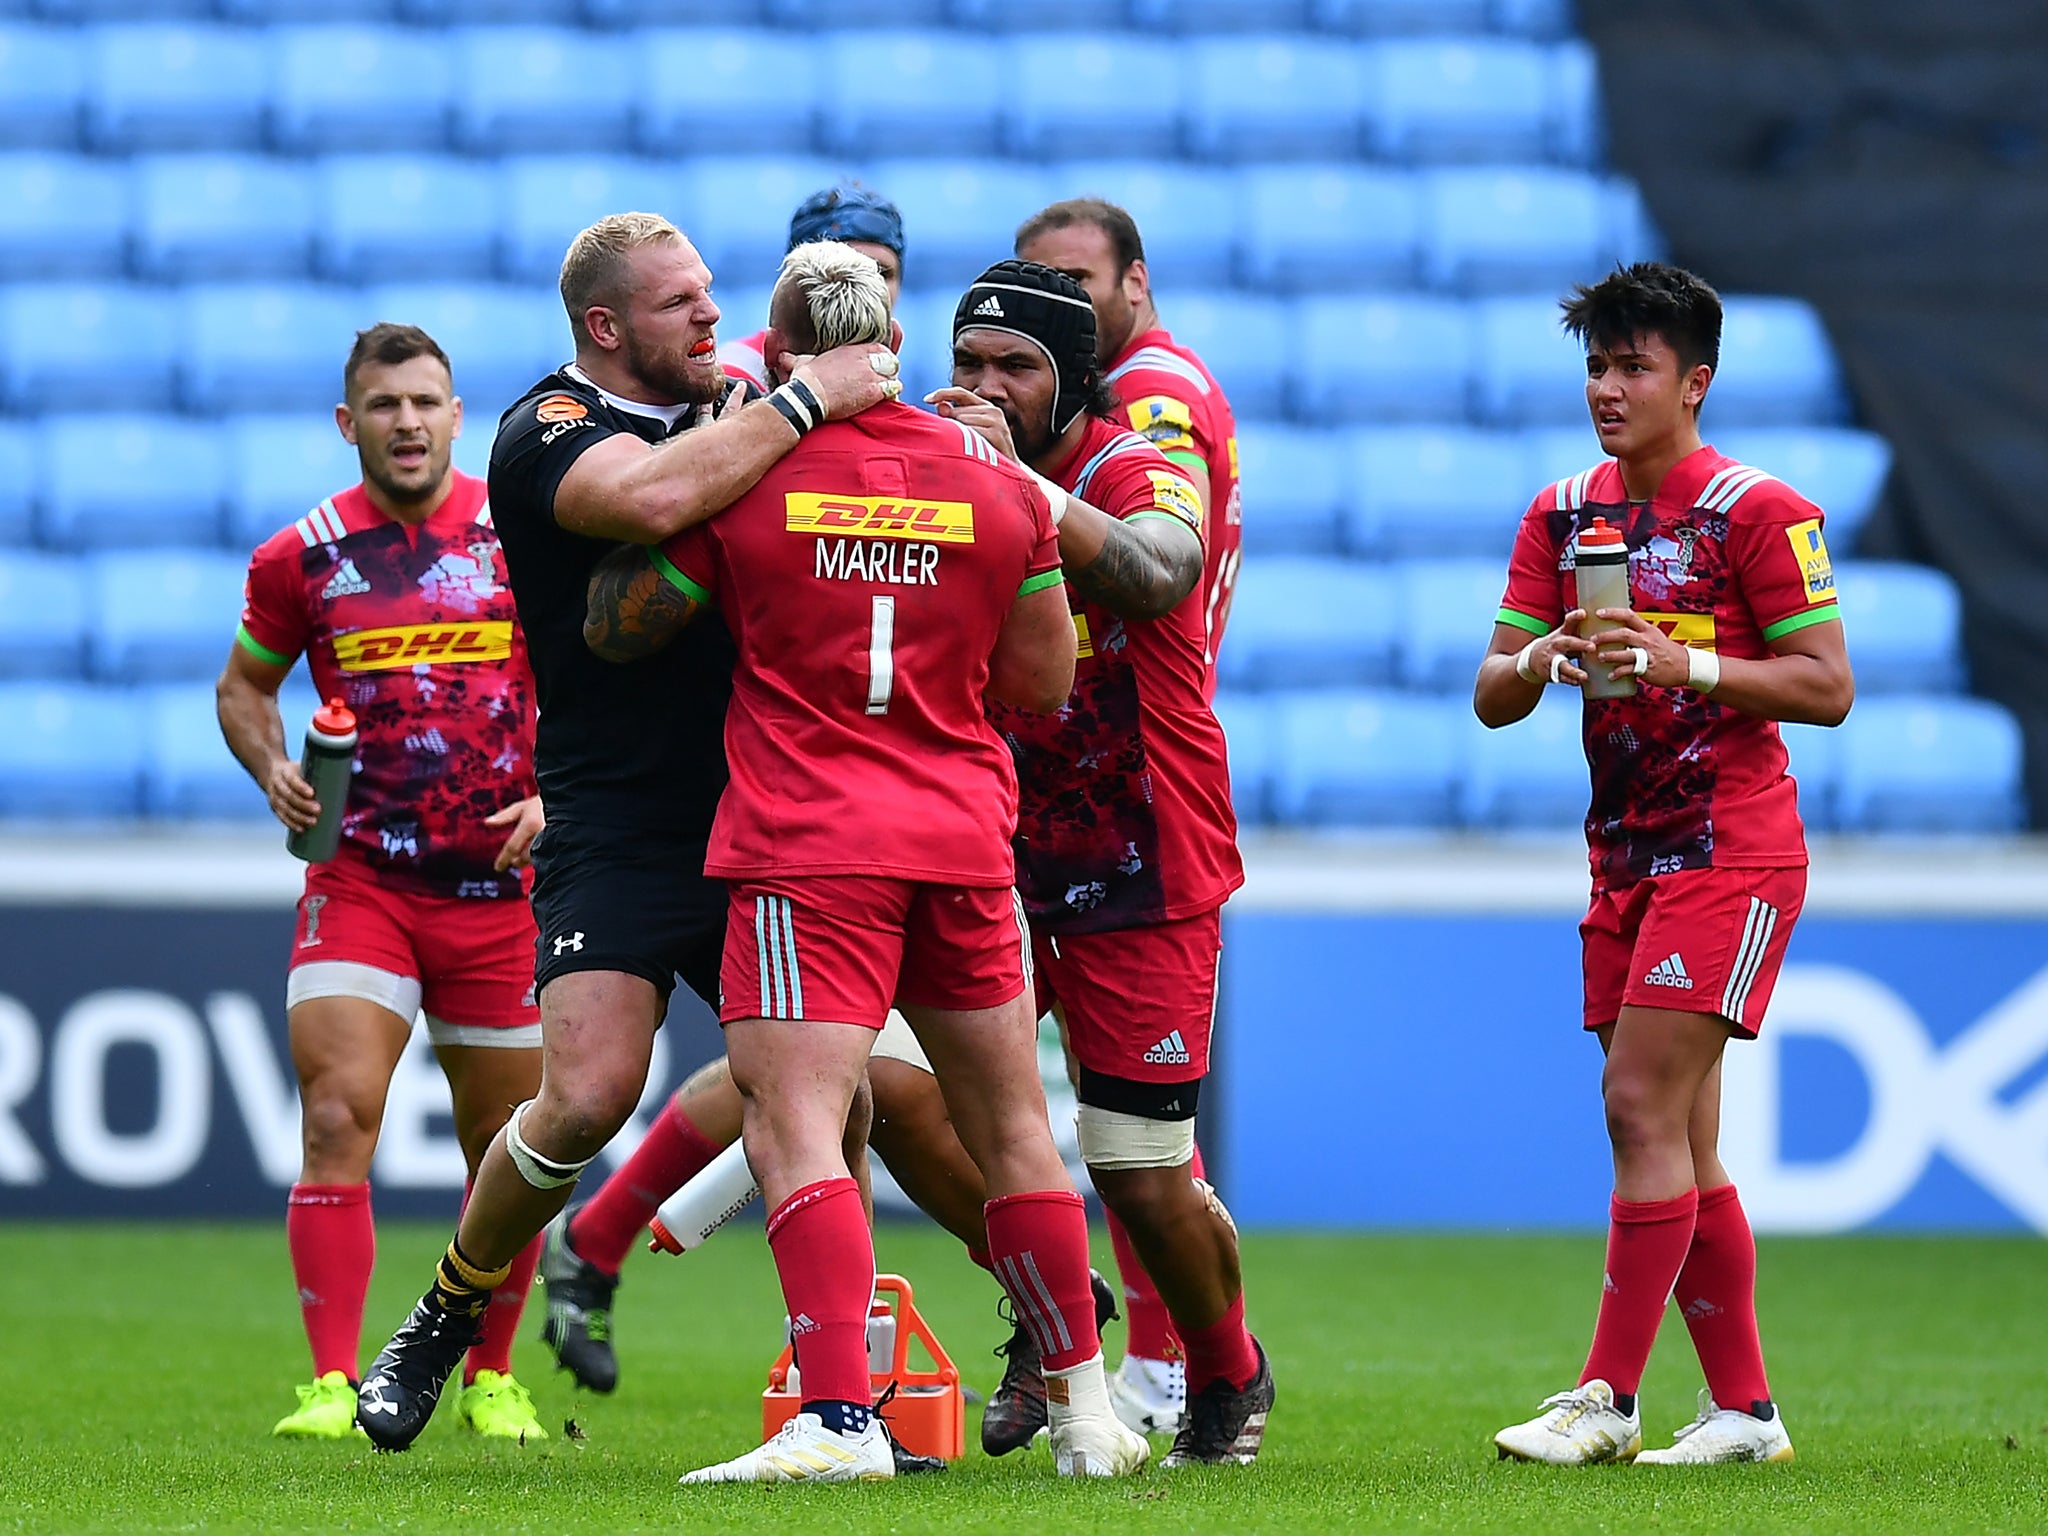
<point x="880" y="517"/>
<point x="413" y="645"/>
<point x="1816" y="571"/>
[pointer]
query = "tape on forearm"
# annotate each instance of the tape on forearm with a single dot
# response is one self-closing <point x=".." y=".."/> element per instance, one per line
<point x="1523" y="669"/>
<point x="1054" y="495"/>
<point x="1703" y="669"/>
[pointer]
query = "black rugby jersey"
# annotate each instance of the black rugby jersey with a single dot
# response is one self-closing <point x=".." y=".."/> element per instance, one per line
<point x="637" y="745"/>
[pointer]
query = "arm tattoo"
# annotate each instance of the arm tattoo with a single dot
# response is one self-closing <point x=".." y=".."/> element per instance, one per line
<point x="1142" y="571"/>
<point x="633" y="610"/>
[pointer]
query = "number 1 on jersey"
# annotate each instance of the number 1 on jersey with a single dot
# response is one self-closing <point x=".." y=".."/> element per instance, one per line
<point x="881" y="655"/>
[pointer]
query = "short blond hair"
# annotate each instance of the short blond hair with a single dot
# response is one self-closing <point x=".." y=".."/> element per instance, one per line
<point x="596" y="262"/>
<point x="829" y="295"/>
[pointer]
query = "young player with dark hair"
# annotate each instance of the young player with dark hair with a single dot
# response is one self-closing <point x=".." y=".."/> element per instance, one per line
<point x="1698" y="856"/>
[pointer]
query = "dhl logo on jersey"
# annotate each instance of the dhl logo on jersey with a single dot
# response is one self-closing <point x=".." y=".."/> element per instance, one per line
<point x="1816" y="571"/>
<point x="414" y="645"/>
<point x="880" y="517"/>
<point x="1163" y="421"/>
<point x="1693" y="629"/>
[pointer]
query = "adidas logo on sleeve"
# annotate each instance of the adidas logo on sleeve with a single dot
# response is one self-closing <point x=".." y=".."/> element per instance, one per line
<point x="1173" y="1051"/>
<point x="1669" y="972"/>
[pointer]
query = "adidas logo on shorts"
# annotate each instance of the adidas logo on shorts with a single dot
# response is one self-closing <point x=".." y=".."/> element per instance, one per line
<point x="1173" y="1051"/>
<point x="990" y="306"/>
<point x="1670" y="972"/>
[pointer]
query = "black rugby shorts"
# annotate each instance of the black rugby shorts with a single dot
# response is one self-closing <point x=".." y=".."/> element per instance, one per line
<point x="613" y="899"/>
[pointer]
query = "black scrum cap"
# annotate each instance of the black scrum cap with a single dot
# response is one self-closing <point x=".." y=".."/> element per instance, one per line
<point x="1048" y="309"/>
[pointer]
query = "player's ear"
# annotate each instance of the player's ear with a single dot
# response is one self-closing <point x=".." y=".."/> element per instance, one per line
<point x="895" y="334"/>
<point x="602" y="326"/>
<point x="455" y="430"/>
<point x="345" y="423"/>
<point x="1696" y="384"/>
<point x="1137" y="282"/>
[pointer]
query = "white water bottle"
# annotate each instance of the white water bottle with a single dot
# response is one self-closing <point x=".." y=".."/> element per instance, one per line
<point x="1600" y="566"/>
<point x="723" y="1188"/>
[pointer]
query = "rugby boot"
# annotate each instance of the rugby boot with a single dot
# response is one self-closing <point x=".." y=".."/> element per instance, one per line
<point x="1225" y="1426"/>
<point x="404" y="1382"/>
<point x="1088" y="1439"/>
<point x="326" y="1411"/>
<point x="1576" y="1429"/>
<point x="578" y="1327"/>
<point x="805" y="1451"/>
<point x="1150" y="1395"/>
<point x="1720" y="1434"/>
<point x="1016" y="1409"/>
<point x="907" y="1463"/>
<point x="498" y="1408"/>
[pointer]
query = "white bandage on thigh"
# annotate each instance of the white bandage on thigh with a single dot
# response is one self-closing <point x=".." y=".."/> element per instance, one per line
<point x="511" y="1037"/>
<point x="351" y="978"/>
<point x="898" y="1042"/>
<point x="540" y="1172"/>
<point x="1113" y="1140"/>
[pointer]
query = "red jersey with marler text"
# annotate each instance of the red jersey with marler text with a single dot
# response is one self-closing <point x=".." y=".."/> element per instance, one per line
<point x="414" y="628"/>
<point x="1723" y="557"/>
<point x="865" y="580"/>
<point x="1124" y="816"/>
<point x="1172" y="401"/>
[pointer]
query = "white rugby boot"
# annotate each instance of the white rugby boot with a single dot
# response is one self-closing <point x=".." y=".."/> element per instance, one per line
<point x="1720" y="1434"/>
<point x="1576" y="1429"/>
<point x="1088" y="1439"/>
<point x="805" y="1451"/>
<point x="1151" y="1396"/>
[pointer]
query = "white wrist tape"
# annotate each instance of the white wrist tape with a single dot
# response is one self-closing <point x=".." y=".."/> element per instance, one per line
<point x="1523" y="669"/>
<point x="1053" y="495"/>
<point x="1703" y="669"/>
<point x="541" y="1172"/>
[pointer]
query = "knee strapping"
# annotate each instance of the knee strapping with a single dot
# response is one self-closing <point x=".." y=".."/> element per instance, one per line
<point x="539" y="1171"/>
<point x="1113" y="1140"/>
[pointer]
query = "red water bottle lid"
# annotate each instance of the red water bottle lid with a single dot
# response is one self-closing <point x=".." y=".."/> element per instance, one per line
<point x="333" y="719"/>
<point x="1601" y="534"/>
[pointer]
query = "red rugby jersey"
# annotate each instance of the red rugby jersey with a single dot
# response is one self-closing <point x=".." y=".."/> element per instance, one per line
<point x="1174" y="402"/>
<point x="1722" y="556"/>
<point x="865" y="581"/>
<point x="414" y="628"/>
<point x="1124" y="815"/>
<point x="744" y="359"/>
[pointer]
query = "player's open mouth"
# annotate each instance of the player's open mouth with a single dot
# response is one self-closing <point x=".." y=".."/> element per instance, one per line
<point x="706" y="348"/>
<point x="409" y="454"/>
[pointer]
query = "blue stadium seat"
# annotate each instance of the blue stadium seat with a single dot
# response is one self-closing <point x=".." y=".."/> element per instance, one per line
<point x="42" y="616"/>
<point x="67" y="750"/>
<point x="1632" y="235"/>
<point x="122" y="481"/>
<point x="473" y="450"/>
<point x="742" y="310"/>
<point x="164" y="615"/>
<point x="176" y="87"/>
<point x="958" y="214"/>
<point x="1187" y="218"/>
<point x="1930" y="765"/>
<point x="1777" y="367"/>
<point x="267" y="346"/>
<point x="549" y="199"/>
<point x="482" y="13"/>
<point x="499" y="340"/>
<point x="1396" y="18"/>
<point x="675" y="13"/>
<point x="397" y="217"/>
<point x="17" y="482"/>
<point x="219" y="218"/>
<point x="1436" y="101"/>
<point x="1904" y="626"/>
<point x="1197" y="17"/>
<point x="1366" y="759"/>
<point x="1324" y="228"/>
<point x="1097" y="93"/>
<point x="811" y="15"/>
<point x="280" y="467"/>
<point x="1272" y="98"/>
<point x="1041" y="16"/>
<point x="1445" y="609"/>
<point x="359" y="89"/>
<point x="1530" y="372"/>
<point x="1294" y="480"/>
<point x="1512" y="228"/>
<point x="926" y="315"/>
<point x="1529" y="776"/>
<point x="61" y="216"/>
<point x="1431" y="492"/>
<point x="274" y="13"/>
<point x="1297" y="622"/>
<point x="190" y="774"/>
<point x="525" y="90"/>
<point x="87" y="347"/>
<point x="907" y="93"/>
<point x="1573" y="119"/>
<point x="1558" y="453"/>
<point x="1542" y="20"/>
<point x="1249" y="727"/>
<point x="1247" y="341"/>
<point x="736" y="212"/>
<point x="1840" y="471"/>
<point x="1816" y="754"/>
<point x="42" y="87"/>
<point x="692" y="87"/>
<point x="93" y="12"/>
<point x="1357" y="360"/>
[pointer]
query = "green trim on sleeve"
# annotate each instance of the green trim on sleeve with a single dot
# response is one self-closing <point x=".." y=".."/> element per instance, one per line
<point x="1041" y="581"/>
<point x="1188" y="459"/>
<point x="677" y="579"/>
<point x="1172" y="517"/>
<point x="258" y="649"/>
<point x="1800" y="621"/>
<point x="1527" y="621"/>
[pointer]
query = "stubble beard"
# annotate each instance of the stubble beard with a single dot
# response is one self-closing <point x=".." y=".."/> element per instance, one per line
<point x="667" y="372"/>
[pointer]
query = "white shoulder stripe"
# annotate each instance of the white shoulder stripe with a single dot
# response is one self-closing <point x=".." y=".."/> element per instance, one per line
<point x="1570" y="495"/>
<point x="1165" y="362"/>
<point x="304" y="528"/>
<point x="483" y="516"/>
<point x="324" y="516"/>
<point x="1730" y="486"/>
<point x="1122" y="443"/>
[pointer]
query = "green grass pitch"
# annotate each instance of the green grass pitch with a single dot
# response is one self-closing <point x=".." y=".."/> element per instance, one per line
<point x="146" y="1365"/>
